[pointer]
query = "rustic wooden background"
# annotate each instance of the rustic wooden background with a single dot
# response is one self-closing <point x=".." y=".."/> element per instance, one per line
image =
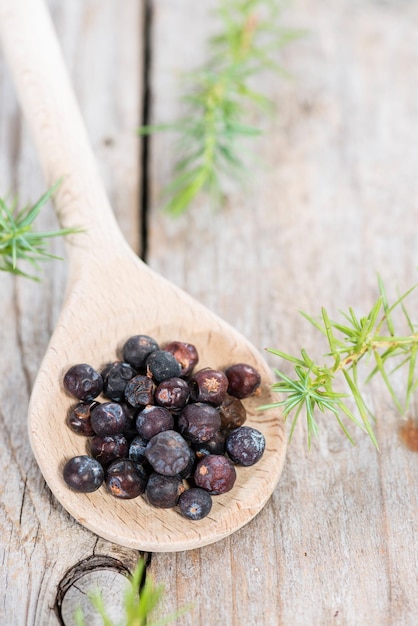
<point x="334" y="201"/>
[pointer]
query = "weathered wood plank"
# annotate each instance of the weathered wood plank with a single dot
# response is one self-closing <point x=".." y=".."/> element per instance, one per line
<point x="336" y="203"/>
<point x="39" y="541"/>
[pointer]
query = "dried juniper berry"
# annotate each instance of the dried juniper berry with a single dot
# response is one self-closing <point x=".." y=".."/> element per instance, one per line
<point x="233" y="413"/>
<point x="153" y="420"/>
<point x="137" y="449"/>
<point x="172" y="393"/>
<point x="208" y="385"/>
<point x="78" y="418"/>
<point x="137" y="348"/>
<point x="243" y="380"/>
<point x="245" y="445"/>
<point x="168" y="453"/>
<point x="83" y="382"/>
<point x="115" y="378"/>
<point x="106" y="449"/>
<point x="140" y="391"/>
<point x="185" y="353"/>
<point x="190" y="467"/>
<point x="130" y="411"/>
<point x="162" y="364"/>
<point x="83" y="473"/>
<point x="126" y="479"/>
<point x="163" y="491"/>
<point x="199" y="422"/>
<point x="215" y="473"/>
<point x="195" y="503"/>
<point x="109" y="418"/>
<point x="215" y="445"/>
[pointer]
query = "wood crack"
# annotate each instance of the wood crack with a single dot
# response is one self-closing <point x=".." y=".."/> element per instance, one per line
<point x="145" y="119"/>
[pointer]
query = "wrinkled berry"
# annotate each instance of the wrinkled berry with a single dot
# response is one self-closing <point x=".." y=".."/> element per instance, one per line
<point x="106" y="449"/>
<point x="109" y="418"/>
<point x="172" y="393"/>
<point x="195" y="503"/>
<point x="168" y="453"/>
<point x="199" y="422"/>
<point x="233" y="413"/>
<point x="140" y="391"/>
<point x="137" y="449"/>
<point x="137" y="348"/>
<point x="130" y="411"/>
<point x="78" y="418"/>
<point x="115" y="378"/>
<point x="162" y="364"/>
<point x="215" y="473"/>
<point x="243" y="380"/>
<point x="190" y="467"/>
<point x="215" y="445"/>
<point x="245" y="445"/>
<point x="153" y="420"/>
<point x="185" y="353"/>
<point x="163" y="491"/>
<point x="208" y="385"/>
<point x="83" y="382"/>
<point x="83" y="473"/>
<point x="126" y="479"/>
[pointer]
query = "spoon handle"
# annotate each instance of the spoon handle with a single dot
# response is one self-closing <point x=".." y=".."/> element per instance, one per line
<point x="47" y="98"/>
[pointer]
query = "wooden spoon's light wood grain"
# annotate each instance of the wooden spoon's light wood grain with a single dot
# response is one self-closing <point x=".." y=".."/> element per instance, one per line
<point x="111" y="295"/>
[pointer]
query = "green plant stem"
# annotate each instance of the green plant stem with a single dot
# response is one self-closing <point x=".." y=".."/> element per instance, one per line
<point x="217" y="97"/>
<point x="349" y="342"/>
<point x="19" y="242"/>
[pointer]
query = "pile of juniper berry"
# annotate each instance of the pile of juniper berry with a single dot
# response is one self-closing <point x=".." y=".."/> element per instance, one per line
<point x="165" y="431"/>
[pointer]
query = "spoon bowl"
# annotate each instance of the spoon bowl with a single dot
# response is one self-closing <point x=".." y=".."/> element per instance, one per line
<point x="111" y="294"/>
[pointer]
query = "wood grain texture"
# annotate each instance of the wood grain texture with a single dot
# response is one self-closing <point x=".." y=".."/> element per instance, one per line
<point x="334" y="203"/>
<point x="138" y="301"/>
<point x="40" y="542"/>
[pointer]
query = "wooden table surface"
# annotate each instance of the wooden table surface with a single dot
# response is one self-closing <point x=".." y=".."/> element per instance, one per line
<point x="332" y="202"/>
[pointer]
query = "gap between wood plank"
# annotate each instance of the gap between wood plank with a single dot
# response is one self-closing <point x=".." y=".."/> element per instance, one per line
<point x="145" y="119"/>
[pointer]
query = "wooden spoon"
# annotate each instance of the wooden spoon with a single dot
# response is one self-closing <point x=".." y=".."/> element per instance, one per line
<point x="111" y="295"/>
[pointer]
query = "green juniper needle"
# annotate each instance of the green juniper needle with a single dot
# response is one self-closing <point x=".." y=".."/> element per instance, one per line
<point x="18" y="241"/>
<point x="141" y="599"/>
<point x="350" y="342"/>
<point x="217" y="98"/>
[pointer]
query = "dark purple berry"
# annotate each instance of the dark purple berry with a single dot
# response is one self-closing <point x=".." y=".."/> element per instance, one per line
<point x="199" y="422"/>
<point x="83" y="382"/>
<point x="185" y="353"/>
<point x="172" y="393"/>
<point x="140" y="391"/>
<point x="208" y="385"/>
<point x="163" y="491"/>
<point x="83" y="473"/>
<point x="106" y="449"/>
<point x="195" y="503"/>
<point x="245" y="445"/>
<point x="215" y="474"/>
<point x="153" y="420"/>
<point x="137" y="450"/>
<point x="243" y="379"/>
<point x="215" y="445"/>
<point x="109" y="418"/>
<point x="126" y="479"/>
<point x="162" y="364"/>
<point x="78" y="418"/>
<point x="233" y="413"/>
<point x="130" y="411"/>
<point x="168" y="453"/>
<point x="137" y="348"/>
<point x="190" y="467"/>
<point x="115" y="378"/>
